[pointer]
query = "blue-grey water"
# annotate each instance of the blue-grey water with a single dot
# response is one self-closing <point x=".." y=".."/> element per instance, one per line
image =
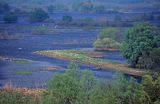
<point x="24" y="47"/>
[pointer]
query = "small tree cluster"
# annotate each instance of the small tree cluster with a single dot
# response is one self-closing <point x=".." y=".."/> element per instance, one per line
<point x="81" y="87"/>
<point x="108" y="38"/>
<point x="141" y="46"/>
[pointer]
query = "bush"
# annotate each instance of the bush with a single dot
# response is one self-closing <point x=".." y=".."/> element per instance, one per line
<point x="10" y="18"/>
<point x="140" y="42"/>
<point x="72" y="87"/>
<point x="108" y="38"/>
<point x="81" y="87"/>
<point x="106" y="43"/>
<point x="155" y="56"/>
<point x="16" y="98"/>
<point x="39" y="15"/>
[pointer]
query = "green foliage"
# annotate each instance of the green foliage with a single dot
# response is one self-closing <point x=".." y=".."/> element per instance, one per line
<point x="80" y="87"/>
<point x="106" y="43"/>
<point x="20" y="61"/>
<point x="43" y="30"/>
<point x="67" y="18"/>
<point x="16" y="98"/>
<point x="139" y="44"/>
<point x="72" y="87"/>
<point x="10" y="18"/>
<point x="109" y="38"/>
<point x="155" y="56"/>
<point x="23" y="73"/>
<point x="38" y="15"/>
<point x="151" y="87"/>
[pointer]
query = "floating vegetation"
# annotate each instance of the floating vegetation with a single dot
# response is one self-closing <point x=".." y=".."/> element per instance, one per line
<point x="20" y="61"/>
<point x="23" y="73"/>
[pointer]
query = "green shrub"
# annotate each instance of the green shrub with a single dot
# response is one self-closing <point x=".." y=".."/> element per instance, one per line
<point x="16" y="98"/>
<point x="81" y="87"/>
<point x="106" y="43"/>
<point x="109" y="38"/>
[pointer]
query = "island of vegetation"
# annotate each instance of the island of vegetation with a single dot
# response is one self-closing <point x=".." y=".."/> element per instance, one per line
<point x="80" y="57"/>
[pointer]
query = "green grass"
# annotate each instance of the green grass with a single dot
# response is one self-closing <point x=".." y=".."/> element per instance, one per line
<point x="23" y="73"/>
<point x="16" y="98"/>
<point x="20" y="61"/>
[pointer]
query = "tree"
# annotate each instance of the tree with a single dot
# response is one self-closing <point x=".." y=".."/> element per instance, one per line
<point x="67" y="18"/>
<point x="39" y="15"/>
<point x="108" y="38"/>
<point x="106" y="43"/>
<point x="139" y="44"/>
<point x="72" y="87"/>
<point x="10" y="18"/>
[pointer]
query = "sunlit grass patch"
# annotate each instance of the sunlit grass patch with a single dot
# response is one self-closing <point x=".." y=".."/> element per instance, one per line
<point x="20" y="61"/>
<point x="23" y="73"/>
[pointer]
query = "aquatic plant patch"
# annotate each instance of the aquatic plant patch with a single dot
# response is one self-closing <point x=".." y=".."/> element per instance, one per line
<point x="20" y="61"/>
<point x="23" y="73"/>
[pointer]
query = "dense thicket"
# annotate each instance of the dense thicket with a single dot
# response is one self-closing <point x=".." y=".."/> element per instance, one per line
<point x="109" y="38"/>
<point x="141" y="46"/>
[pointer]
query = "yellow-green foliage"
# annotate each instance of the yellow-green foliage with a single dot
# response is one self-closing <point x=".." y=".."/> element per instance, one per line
<point x="107" y="43"/>
<point x="43" y="30"/>
<point x="109" y="38"/>
<point x="16" y="98"/>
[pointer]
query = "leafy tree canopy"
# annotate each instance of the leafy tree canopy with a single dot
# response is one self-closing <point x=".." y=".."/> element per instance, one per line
<point x="141" y="43"/>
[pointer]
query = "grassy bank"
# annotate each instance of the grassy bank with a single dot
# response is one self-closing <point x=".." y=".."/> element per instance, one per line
<point x="71" y="55"/>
